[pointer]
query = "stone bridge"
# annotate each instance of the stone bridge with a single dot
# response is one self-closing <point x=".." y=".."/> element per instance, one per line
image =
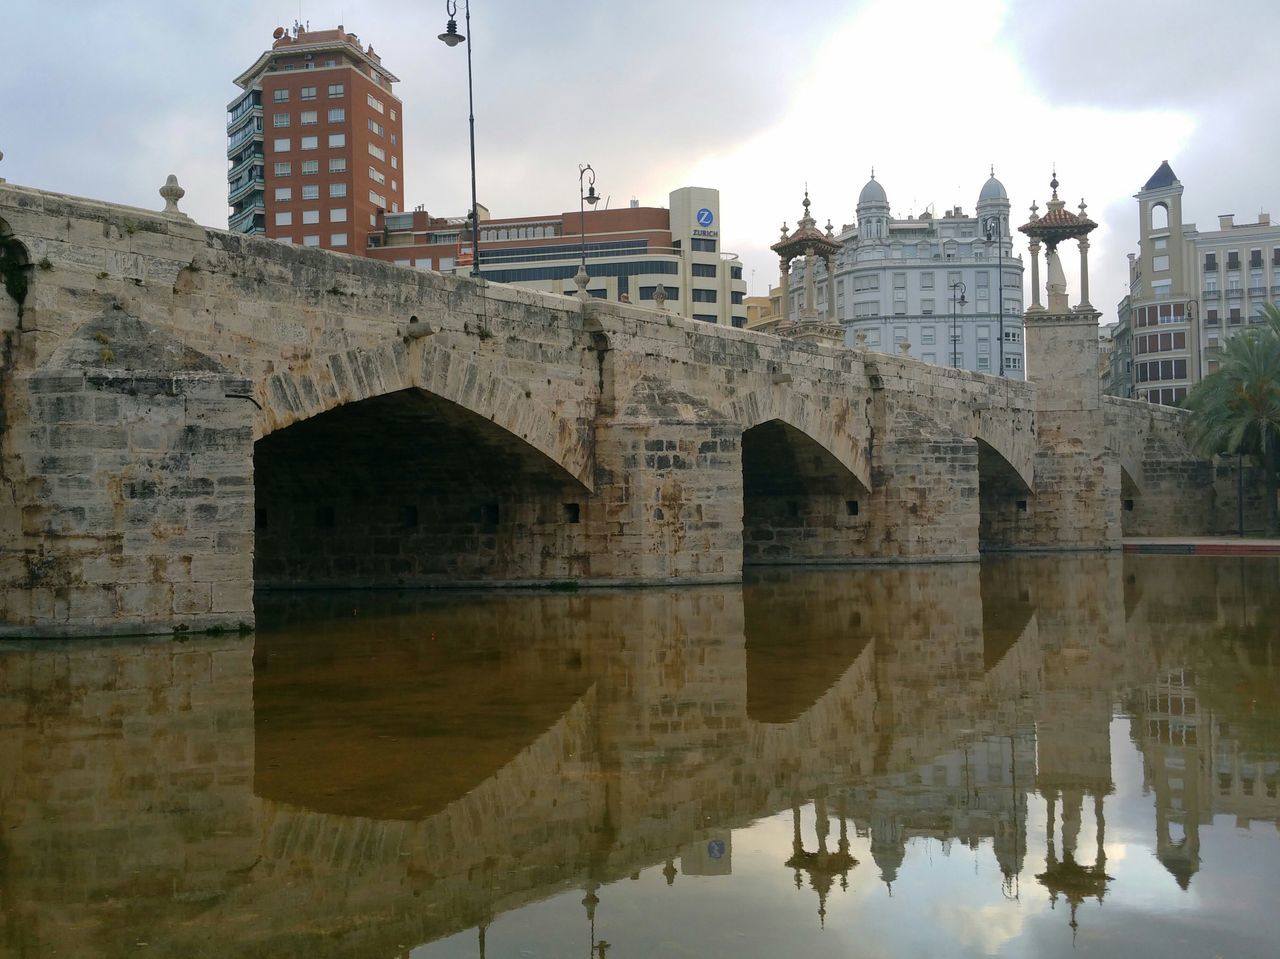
<point x="189" y="413"/>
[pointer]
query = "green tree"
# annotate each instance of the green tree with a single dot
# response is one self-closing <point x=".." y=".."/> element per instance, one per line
<point x="1236" y="409"/>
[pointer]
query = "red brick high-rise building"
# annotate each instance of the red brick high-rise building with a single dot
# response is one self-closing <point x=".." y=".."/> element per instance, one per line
<point x="315" y="142"/>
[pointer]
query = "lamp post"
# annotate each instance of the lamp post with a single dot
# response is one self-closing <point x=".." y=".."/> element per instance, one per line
<point x="586" y="195"/>
<point x="992" y="227"/>
<point x="451" y="37"/>
<point x="955" y="363"/>
<point x="1192" y="312"/>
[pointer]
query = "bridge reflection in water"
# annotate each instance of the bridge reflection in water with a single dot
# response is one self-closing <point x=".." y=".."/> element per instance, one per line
<point x="372" y="773"/>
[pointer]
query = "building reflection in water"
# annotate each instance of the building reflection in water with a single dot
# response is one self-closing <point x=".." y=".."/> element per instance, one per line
<point x="373" y="772"/>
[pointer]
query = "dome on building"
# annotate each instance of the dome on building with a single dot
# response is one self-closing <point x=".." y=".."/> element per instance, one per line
<point x="993" y="189"/>
<point x="873" y="192"/>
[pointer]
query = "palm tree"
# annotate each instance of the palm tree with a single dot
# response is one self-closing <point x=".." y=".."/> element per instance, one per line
<point x="1236" y="409"/>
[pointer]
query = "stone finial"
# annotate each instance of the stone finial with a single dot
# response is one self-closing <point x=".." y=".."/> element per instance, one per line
<point x="860" y="339"/>
<point x="1" y="159"/>
<point x="830" y="228"/>
<point x="660" y="296"/>
<point x="172" y="193"/>
<point x="784" y="229"/>
<point x="904" y="347"/>
<point x="581" y="280"/>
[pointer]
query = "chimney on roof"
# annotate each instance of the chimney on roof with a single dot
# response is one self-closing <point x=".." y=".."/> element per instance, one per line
<point x="1264" y="219"/>
<point x="1226" y="221"/>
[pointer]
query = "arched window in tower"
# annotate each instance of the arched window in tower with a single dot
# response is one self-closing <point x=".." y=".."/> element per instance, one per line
<point x="1159" y="216"/>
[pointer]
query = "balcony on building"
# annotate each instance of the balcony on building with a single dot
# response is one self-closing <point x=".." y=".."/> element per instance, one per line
<point x="243" y="135"/>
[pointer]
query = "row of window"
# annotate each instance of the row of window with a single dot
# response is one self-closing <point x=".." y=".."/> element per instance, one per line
<point x="309" y="167"/>
<point x="1167" y="396"/>
<point x="928" y="307"/>
<point x="335" y="239"/>
<point x="1011" y="362"/>
<point x="308" y="118"/>
<point x="308" y="93"/>
<point x="928" y="333"/>
<point x="285" y="217"/>
<point x="1159" y="342"/>
<point x="1160" y="314"/>
<point x="309" y="191"/>
<point x="1233" y="260"/>
<point x="1158" y="370"/>
<point x="284" y="144"/>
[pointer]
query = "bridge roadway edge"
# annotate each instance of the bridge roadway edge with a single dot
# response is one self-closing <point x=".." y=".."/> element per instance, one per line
<point x="151" y="355"/>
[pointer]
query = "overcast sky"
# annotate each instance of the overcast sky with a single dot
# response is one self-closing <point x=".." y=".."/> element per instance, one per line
<point x="754" y="98"/>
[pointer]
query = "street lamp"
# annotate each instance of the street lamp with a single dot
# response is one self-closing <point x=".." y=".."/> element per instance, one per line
<point x="586" y="194"/>
<point x="992" y="227"/>
<point x="451" y="38"/>
<point x="958" y="283"/>
<point x="1191" y="312"/>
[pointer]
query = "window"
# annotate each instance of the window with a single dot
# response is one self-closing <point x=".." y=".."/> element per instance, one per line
<point x="984" y="362"/>
<point x="446" y="264"/>
<point x="983" y="278"/>
<point x="393" y="139"/>
<point x="337" y="164"/>
<point x="310" y="216"/>
<point x="704" y="317"/>
<point x="377" y="200"/>
<point x="699" y="245"/>
<point x="377" y="151"/>
<point x="310" y="143"/>
<point x="313" y="240"/>
<point x="1013" y="336"/>
<point x="873" y="337"/>
<point x="337" y="239"/>
<point x="1210" y="262"/>
<point x="279" y="96"/>
<point x="1233" y="260"/>
<point x="394" y="165"/>
<point x="377" y="177"/>
<point x="311" y="191"/>
<point x="736" y="297"/>
<point x="376" y="127"/>
<point x="899" y="334"/>
<point x="1211" y="317"/>
<point x="899" y="281"/>
<point x="1012" y="361"/>
<point x="283" y="168"/>
<point x="284" y="193"/>
<point x="863" y="283"/>
<point x="958" y="335"/>
<point x="337" y="140"/>
<point x="281" y="145"/>
<point x="1159" y="216"/>
<point x="310" y="167"/>
<point x="1160" y="264"/>
<point x="392" y="114"/>
<point x="423" y="263"/>
<point x="927" y="336"/>
<point x="646" y="292"/>
<point x="704" y="269"/>
<point x="309" y="118"/>
<point x="308" y="93"/>
<point x="336" y="89"/>
<point x="926" y="307"/>
<point x="1234" y="316"/>
<point x="1255" y="259"/>
<point x="284" y="218"/>
<point x="395" y="188"/>
<point x="337" y="114"/>
<point x="953" y="277"/>
<point x="338" y="215"/>
<point x="704" y="296"/>
<point x="375" y="103"/>
<point x="926" y="281"/>
<point x="337" y="189"/>
<point x="280" y="119"/>
<point x="1161" y="244"/>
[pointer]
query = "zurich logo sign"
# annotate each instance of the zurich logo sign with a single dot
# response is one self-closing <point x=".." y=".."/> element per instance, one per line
<point x="705" y="217"/>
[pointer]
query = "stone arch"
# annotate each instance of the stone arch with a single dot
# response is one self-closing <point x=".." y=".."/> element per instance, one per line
<point x="338" y="379"/>
<point x="15" y="266"/>
<point x="1159" y="215"/>
<point x="999" y="440"/>
<point x="842" y="431"/>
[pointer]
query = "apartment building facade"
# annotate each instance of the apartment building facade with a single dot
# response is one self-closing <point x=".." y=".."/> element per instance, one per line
<point x="628" y="252"/>
<point x="1189" y="292"/>
<point x="315" y="142"/>
<point x="949" y="286"/>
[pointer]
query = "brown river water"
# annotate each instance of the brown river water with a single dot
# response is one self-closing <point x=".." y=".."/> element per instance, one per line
<point x="1030" y="757"/>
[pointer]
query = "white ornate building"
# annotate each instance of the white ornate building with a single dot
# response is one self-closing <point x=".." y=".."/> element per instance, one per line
<point x="897" y="281"/>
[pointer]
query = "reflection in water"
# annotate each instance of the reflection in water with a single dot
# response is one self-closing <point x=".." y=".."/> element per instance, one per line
<point x="724" y="771"/>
